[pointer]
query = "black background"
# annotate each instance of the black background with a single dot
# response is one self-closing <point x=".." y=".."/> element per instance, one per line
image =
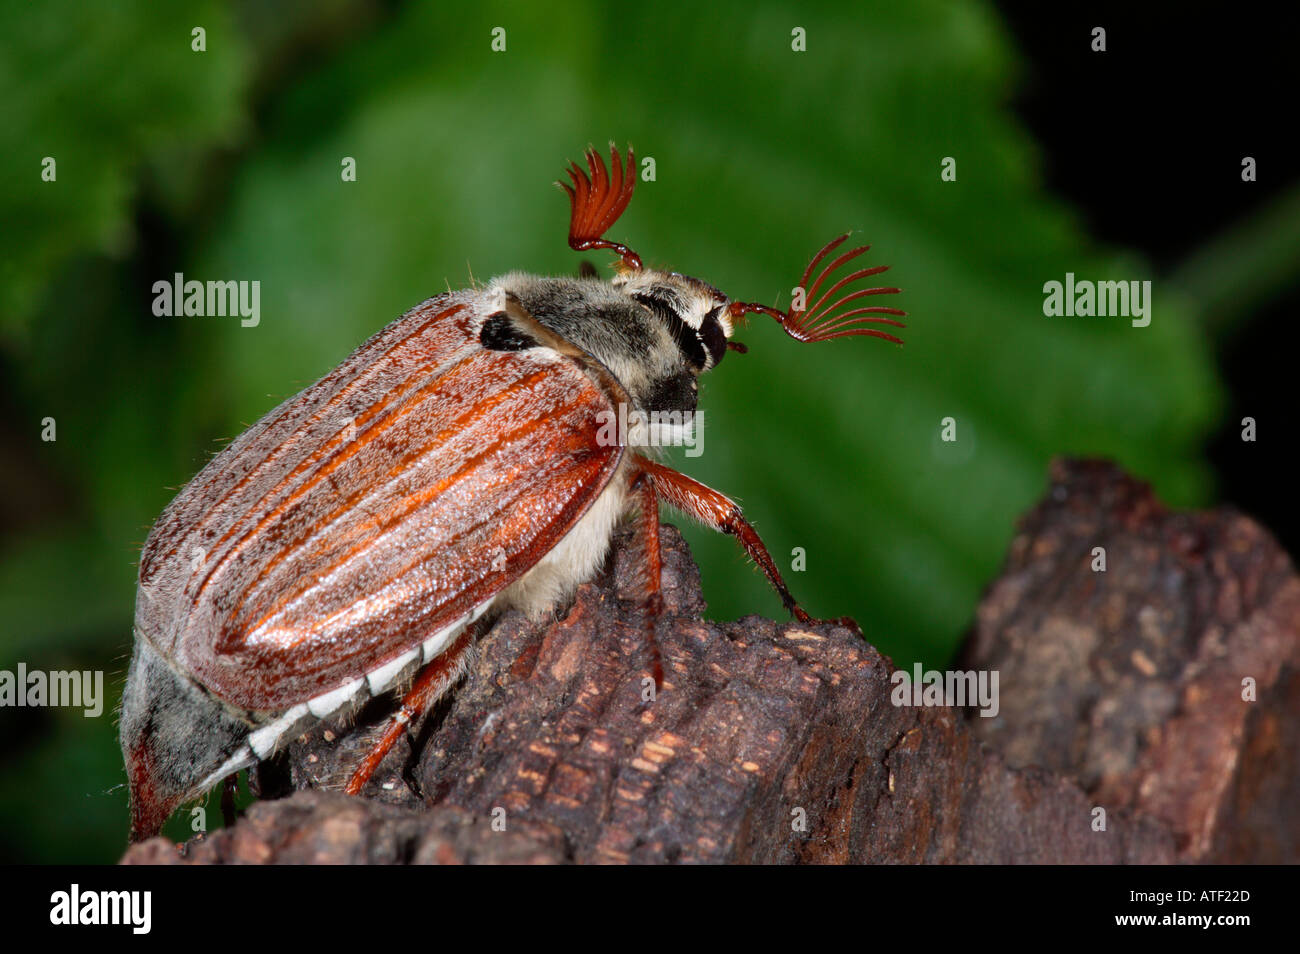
<point x="1198" y="88"/>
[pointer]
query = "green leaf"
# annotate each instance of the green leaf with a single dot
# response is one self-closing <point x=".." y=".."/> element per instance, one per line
<point x="762" y="155"/>
<point x="103" y="92"/>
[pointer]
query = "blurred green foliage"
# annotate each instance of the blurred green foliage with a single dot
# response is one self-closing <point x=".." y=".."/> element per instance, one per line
<point x="226" y="164"/>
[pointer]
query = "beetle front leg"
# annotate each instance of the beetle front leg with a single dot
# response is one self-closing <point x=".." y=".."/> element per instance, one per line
<point x="721" y="513"/>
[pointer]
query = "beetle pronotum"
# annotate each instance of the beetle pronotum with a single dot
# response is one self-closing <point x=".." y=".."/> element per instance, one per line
<point x="365" y="530"/>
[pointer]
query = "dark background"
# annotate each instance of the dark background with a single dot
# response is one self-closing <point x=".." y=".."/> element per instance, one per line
<point x="1138" y="141"/>
<point x="1122" y="165"/>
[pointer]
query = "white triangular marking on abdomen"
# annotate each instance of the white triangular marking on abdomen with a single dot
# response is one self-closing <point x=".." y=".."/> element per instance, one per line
<point x="322" y="706"/>
<point x="263" y="742"/>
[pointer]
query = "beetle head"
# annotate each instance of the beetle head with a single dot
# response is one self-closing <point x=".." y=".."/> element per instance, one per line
<point x="694" y="312"/>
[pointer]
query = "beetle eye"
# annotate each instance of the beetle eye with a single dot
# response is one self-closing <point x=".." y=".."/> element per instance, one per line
<point x="713" y="337"/>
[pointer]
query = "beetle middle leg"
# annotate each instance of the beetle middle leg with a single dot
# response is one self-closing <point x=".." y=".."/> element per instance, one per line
<point x="431" y="682"/>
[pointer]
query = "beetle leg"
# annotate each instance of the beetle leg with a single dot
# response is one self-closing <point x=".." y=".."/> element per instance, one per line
<point x="431" y="682"/>
<point x="652" y="598"/>
<point x="229" y="789"/>
<point x="721" y="513"/>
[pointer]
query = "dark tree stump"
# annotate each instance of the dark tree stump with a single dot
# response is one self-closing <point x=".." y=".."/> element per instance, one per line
<point x="776" y="742"/>
<point x="1131" y="680"/>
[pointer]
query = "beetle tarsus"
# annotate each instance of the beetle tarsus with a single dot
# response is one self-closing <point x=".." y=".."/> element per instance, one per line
<point x="848" y="622"/>
<point x="652" y="608"/>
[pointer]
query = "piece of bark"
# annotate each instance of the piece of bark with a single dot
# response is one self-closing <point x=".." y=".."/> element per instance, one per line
<point x="1131" y="680"/>
<point x="768" y="742"/>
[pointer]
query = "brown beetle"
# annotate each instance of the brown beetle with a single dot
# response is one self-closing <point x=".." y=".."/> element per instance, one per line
<point x="454" y="465"/>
